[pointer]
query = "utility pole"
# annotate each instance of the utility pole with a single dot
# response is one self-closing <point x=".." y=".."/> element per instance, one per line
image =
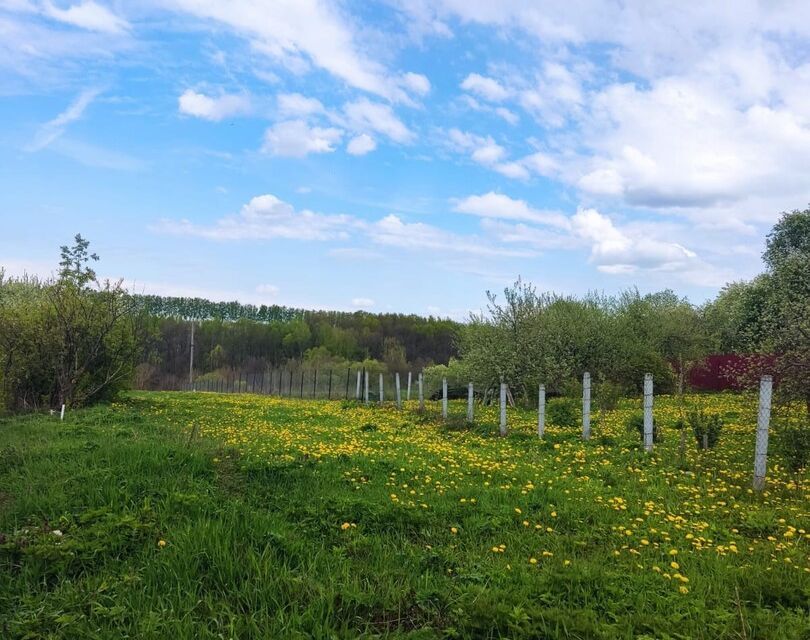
<point x="191" y="360"/>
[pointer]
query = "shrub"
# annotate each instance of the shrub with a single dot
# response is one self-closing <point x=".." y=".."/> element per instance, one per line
<point x="708" y="424"/>
<point x="608" y="395"/>
<point x="636" y="423"/>
<point x="563" y="412"/>
<point x="793" y="443"/>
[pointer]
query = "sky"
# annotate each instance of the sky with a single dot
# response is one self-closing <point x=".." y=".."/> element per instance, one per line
<point x="402" y="155"/>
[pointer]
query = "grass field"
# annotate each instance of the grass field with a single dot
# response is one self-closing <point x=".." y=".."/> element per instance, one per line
<point x="205" y="516"/>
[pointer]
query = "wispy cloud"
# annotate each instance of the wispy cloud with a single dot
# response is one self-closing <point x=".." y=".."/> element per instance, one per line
<point x="53" y="129"/>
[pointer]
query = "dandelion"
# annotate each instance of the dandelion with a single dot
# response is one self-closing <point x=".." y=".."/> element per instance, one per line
<point x="345" y="526"/>
<point x="453" y="530"/>
<point x="161" y="543"/>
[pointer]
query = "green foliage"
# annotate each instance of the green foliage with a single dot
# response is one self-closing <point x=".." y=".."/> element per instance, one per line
<point x="793" y="444"/>
<point x="532" y="338"/>
<point x="72" y="340"/>
<point x="563" y="412"/>
<point x="607" y="395"/>
<point x="707" y="424"/>
<point x="635" y="422"/>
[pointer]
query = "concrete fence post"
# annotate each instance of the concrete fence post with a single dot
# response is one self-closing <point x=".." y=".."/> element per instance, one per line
<point x="382" y="394"/>
<point x="421" y="392"/>
<point x="357" y="393"/>
<point x="503" y="410"/>
<point x="763" y="420"/>
<point x="408" y="392"/>
<point x="648" y="412"/>
<point x="399" y="396"/>
<point x="586" y="406"/>
<point x="470" y="400"/>
<point x="365" y="387"/>
<point x="444" y="398"/>
<point x="62" y="413"/>
<point x="541" y="411"/>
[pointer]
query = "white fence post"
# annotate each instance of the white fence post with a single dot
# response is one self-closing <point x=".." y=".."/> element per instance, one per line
<point x="503" y="409"/>
<point x="365" y="388"/>
<point x="421" y="392"/>
<point x="444" y="398"/>
<point x="399" y="396"/>
<point x="357" y="393"/>
<point x="62" y="413"/>
<point x="381" y="389"/>
<point x="408" y="393"/>
<point x="763" y="420"/>
<point x="648" y="412"/>
<point x="541" y="411"/>
<point x="586" y="406"/>
<point x="470" y="400"/>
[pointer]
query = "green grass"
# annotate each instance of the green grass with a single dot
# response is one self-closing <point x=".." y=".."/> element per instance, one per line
<point x="290" y="519"/>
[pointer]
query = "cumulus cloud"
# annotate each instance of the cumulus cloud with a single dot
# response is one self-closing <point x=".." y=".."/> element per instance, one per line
<point x="498" y="205"/>
<point x="365" y="115"/>
<point x="213" y="108"/>
<point x="614" y="251"/>
<point x="266" y="217"/>
<point x="361" y="145"/>
<point x="484" y="87"/>
<point x="295" y="104"/>
<point x="416" y="83"/>
<point x="362" y="303"/>
<point x="296" y="139"/>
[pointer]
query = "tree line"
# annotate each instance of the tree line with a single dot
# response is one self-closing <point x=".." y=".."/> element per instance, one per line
<point x="75" y="340"/>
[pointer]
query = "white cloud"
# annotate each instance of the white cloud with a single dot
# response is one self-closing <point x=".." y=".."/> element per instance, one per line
<point x="615" y="251"/>
<point x="364" y="115"/>
<point x="362" y="303"/>
<point x="416" y="83"/>
<point x="269" y="290"/>
<point x="299" y="33"/>
<point x="392" y="231"/>
<point x="215" y="108"/>
<point x="488" y="153"/>
<point x="87" y="15"/>
<point x="361" y="145"/>
<point x="484" y="87"/>
<point x="54" y="129"/>
<point x="497" y="205"/>
<point x="266" y="217"/>
<point x="296" y="139"/>
<point x="295" y="104"/>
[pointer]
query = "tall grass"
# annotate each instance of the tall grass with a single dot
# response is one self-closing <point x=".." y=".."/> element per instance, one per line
<point x="203" y="516"/>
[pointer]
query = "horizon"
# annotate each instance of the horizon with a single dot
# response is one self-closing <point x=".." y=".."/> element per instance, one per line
<point x="402" y="156"/>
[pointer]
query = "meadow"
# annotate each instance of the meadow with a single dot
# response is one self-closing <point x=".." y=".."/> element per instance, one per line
<point x="196" y="515"/>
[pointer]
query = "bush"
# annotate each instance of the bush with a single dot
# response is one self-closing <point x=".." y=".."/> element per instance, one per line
<point x="607" y="395"/>
<point x="636" y="423"/>
<point x="563" y="412"/>
<point x="793" y="443"/>
<point x="708" y="424"/>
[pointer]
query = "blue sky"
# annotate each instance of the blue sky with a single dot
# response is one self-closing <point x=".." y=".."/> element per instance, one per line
<point x="402" y="155"/>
